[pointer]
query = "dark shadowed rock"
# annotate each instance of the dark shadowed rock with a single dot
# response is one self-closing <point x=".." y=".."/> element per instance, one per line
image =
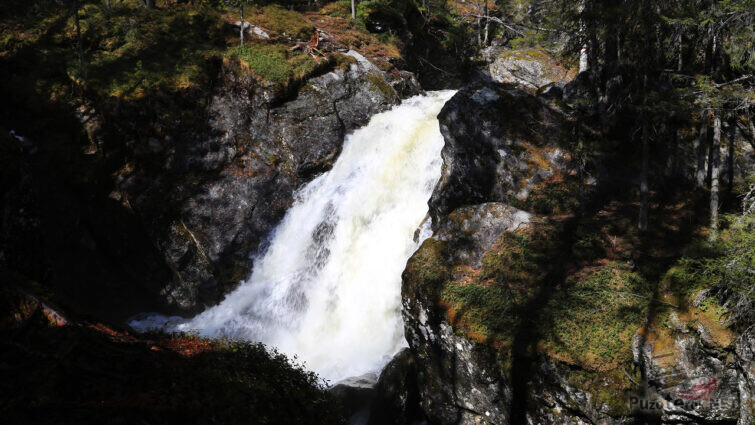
<point x="494" y="134"/>
<point x="397" y="396"/>
<point x="355" y="394"/>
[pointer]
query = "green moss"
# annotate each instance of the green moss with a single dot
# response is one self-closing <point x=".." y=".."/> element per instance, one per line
<point x="555" y="197"/>
<point x="518" y="257"/>
<point x="266" y="60"/>
<point x="378" y="84"/>
<point x="283" y="22"/>
<point x="480" y="310"/>
<point x="343" y="62"/>
<point x="137" y="50"/>
<point x="488" y="305"/>
<point x="427" y="270"/>
<point x="275" y="63"/>
<point x="592" y="322"/>
<point x="609" y="389"/>
<point x="588" y="243"/>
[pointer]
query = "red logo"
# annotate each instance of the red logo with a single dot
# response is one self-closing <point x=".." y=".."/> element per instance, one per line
<point x="701" y="391"/>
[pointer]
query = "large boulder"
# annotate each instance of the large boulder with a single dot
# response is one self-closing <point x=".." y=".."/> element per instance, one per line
<point x="355" y="395"/>
<point x="460" y="381"/>
<point x="499" y="144"/>
<point x="530" y="69"/>
<point x="397" y="395"/>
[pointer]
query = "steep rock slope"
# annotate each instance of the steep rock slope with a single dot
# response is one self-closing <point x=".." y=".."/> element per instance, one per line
<point x="258" y="150"/>
<point x="504" y="329"/>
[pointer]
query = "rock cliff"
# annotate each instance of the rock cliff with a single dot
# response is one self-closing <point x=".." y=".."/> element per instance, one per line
<point x="499" y="330"/>
<point x="258" y="150"/>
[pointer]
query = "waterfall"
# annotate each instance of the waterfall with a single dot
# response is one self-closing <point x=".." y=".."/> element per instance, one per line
<point x="328" y="287"/>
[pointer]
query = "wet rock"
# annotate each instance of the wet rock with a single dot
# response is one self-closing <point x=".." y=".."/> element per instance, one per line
<point x="217" y="194"/>
<point x="355" y="394"/>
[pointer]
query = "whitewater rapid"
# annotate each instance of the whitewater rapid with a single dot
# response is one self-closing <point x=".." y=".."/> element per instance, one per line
<point x="328" y="287"/>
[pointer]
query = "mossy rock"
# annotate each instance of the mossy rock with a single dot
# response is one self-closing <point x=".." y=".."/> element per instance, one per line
<point x="591" y="322"/>
<point x="378" y="84"/>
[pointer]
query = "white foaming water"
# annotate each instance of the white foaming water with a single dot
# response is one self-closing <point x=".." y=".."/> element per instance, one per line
<point x="328" y="288"/>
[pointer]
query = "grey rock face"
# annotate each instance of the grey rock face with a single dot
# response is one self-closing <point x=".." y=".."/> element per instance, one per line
<point x="460" y="382"/>
<point x="704" y="382"/>
<point x="218" y="194"/>
<point x="492" y="134"/>
<point x="472" y="230"/>
<point x="528" y="69"/>
<point x="745" y="363"/>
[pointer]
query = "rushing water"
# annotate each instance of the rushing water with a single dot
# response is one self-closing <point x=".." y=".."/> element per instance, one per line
<point x="328" y="288"/>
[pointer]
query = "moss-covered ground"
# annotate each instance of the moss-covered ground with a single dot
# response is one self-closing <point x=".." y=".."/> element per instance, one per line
<point x="129" y="51"/>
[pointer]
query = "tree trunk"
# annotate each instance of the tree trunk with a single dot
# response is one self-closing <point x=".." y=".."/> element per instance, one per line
<point x="487" y="24"/>
<point x="644" y="186"/>
<point x="730" y="156"/>
<point x="79" y="42"/>
<point x="241" y="31"/>
<point x="715" y="168"/>
<point x="479" y="23"/>
<point x="702" y="144"/>
<point x="611" y="56"/>
<point x="709" y="50"/>
<point x="584" y="56"/>
<point x="672" y="153"/>
<point x="709" y="173"/>
<point x="149" y="4"/>
<point x="353" y="9"/>
<point x="680" y="50"/>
